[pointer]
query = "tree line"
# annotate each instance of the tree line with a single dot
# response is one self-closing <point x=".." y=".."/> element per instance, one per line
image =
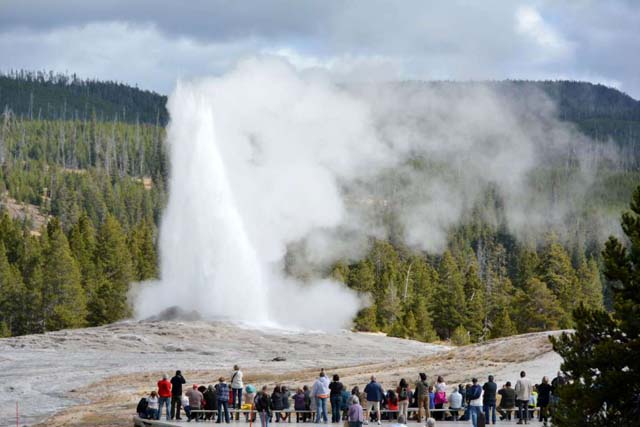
<point x="57" y="279"/>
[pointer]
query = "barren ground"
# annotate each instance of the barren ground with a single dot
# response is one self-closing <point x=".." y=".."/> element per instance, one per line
<point x="95" y="376"/>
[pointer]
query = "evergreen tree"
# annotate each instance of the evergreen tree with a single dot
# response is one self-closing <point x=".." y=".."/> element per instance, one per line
<point x="424" y="326"/>
<point x="503" y="326"/>
<point x="558" y="274"/>
<point x="143" y="252"/>
<point x="460" y="336"/>
<point x="449" y="304"/>
<point x="113" y="262"/>
<point x="591" y="292"/>
<point x="601" y="356"/>
<point x="537" y="308"/>
<point x="11" y="297"/>
<point x="63" y="299"/>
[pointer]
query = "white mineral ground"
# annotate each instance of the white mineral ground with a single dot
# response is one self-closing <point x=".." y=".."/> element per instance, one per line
<point x="95" y="376"/>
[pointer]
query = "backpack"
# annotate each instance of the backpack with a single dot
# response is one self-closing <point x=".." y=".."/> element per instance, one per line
<point x="475" y="392"/>
<point x="403" y="395"/>
<point x="143" y="404"/>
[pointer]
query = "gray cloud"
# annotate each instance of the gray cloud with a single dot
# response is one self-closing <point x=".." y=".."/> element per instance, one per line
<point x="153" y="42"/>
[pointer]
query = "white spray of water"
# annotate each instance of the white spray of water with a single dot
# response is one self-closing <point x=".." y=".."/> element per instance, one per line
<point x="266" y="158"/>
<point x="256" y="157"/>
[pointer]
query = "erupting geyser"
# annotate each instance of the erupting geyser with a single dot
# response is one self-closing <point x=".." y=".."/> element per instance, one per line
<point x="255" y="161"/>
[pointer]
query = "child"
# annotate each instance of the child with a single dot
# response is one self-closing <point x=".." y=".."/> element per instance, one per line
<point x="300" y="404"/>
<point x="432" y="398"/>
<point x="355" y="415"/>
<point x="153" y="411"/>
<point x="185" y="405"/>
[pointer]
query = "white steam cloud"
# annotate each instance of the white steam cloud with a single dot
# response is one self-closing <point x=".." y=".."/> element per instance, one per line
<point x="266" y="159"/>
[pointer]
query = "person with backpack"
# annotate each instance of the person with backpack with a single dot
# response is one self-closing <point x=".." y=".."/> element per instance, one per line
<point x="176" y="394"/>
<point x="422" y="396"/>
<point x="403" y="398"/>
<point x="263" y="406"/>
<point x="474" y="394"/>
<point x="490" y="388"/>
<point x="143" y="407"/>
<point x="335" y="396"/>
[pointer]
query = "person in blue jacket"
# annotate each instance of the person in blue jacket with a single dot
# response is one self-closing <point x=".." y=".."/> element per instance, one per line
<point x="375" y="395"/>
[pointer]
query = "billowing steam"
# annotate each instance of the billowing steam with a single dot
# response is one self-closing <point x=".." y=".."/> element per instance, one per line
<point x="266" y="158"/>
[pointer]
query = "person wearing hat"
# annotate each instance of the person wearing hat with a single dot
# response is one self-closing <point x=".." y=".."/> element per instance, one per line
<point x="195" y="402"/>
<point x="223" y="400"/>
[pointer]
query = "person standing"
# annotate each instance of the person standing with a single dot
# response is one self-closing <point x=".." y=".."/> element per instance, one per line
<point x="263" y="406"/>
<point x="375" y="395"/>
<point x="544" y="397"/>
<point x="164" y="393"/>
<point x="223" y="400"/>
<point x="490" y="389"/>
<point x="236" y="389"/>
<point x="320" y="393"/>
<point x="335" y="396"/>
<point x="176" y="394"/>
<point x="403" y="398"/>
<point x="475" y="401"/>
<point x="422" y="396"/>
<point x="355" y="415"/>
<point x="523" y="391"/>
<point x="440" y="398"/>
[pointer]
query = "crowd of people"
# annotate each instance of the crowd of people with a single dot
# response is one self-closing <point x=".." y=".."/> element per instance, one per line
<point x="427" y="401"/>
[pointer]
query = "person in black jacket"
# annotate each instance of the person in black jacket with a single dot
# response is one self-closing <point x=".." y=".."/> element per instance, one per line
<point x="276" y="402"/>
<point x="489" y="400"/>
<point x="210" y="402"/>
<point x="176" y="394"/>
<point x="335" y="395"/>
<point x="263" y="406"/>
<point x="544" y="397"/>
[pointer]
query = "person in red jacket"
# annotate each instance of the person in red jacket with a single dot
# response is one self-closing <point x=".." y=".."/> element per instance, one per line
<point x="164" y="393"/>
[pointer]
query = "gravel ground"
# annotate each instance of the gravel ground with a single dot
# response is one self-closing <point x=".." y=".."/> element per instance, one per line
<point x="50" y="372"/>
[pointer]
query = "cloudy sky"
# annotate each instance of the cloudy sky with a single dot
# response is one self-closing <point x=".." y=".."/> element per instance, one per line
<point x="154" y="42"/>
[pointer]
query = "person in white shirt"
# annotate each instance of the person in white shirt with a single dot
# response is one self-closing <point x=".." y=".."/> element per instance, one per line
<point x="455" y="403"/>
<point x="523" y="390"/>
<point x="236" y="388"/>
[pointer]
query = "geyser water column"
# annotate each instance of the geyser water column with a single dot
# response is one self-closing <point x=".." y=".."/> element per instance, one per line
<point x="257" y="157"/>
<point x="208" y="262"/>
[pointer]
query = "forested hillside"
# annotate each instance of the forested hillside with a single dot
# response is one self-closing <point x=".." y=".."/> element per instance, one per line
<point x="83" y="173"/>
<point x="49" y="96"/>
